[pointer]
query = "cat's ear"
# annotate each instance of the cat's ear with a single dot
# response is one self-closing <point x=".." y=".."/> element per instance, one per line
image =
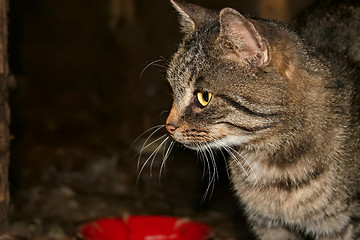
<point x="243" y="35"/>
<point x="191" y="15"/>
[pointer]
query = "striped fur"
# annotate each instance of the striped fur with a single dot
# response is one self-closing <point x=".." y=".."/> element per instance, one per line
<point x="285" y="113"/>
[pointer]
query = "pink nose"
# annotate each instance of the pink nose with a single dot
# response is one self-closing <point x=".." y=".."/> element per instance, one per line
<point x="170" y="127"/>
<point x="172" y="120"/>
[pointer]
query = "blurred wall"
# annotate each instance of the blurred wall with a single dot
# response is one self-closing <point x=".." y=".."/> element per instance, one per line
<point x="85" y="82"/>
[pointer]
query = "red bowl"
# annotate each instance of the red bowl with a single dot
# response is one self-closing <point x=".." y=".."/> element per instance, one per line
<point x="144" y="228"/>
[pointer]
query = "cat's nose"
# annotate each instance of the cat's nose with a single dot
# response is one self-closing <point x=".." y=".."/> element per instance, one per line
<point x="172" y="120"/>
<point x="170" y="127"/>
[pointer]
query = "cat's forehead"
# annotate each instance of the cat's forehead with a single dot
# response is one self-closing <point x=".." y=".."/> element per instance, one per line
<point x="191" y="61"/>
<point x="191" y="56"/>
<point x="185" y="65"/>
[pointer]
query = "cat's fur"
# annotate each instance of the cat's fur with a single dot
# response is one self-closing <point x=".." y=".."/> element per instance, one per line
<point x="333" y="26"/>
<point x="282" y="110"/>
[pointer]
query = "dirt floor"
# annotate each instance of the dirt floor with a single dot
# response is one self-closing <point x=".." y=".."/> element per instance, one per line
<point x="108" y="186"/>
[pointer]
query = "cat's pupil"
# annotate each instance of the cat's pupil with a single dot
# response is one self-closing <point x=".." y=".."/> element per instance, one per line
<point x="206" y="96"/>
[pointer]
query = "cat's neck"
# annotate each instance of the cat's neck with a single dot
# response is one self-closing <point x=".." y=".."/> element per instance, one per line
<point x="318" y="113"/>
<point x="295" y="158"/>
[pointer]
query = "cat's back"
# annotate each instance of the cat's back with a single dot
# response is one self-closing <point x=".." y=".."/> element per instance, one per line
<point x="332" y="26"/>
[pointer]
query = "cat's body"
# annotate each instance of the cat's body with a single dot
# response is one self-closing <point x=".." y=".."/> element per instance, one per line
<point x="333" y="26"/>
<point x="284" y="113"/>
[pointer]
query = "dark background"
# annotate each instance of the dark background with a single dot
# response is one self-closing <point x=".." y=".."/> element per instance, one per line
<point x="83" y="92"/>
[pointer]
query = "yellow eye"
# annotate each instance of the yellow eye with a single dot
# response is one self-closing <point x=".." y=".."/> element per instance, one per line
<point x="204" y="98"/>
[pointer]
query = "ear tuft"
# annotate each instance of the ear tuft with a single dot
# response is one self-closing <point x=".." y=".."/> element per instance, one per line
<point x="187" y="24"/>
<point x="248" y="43"/>
<point x="191" y="15"/>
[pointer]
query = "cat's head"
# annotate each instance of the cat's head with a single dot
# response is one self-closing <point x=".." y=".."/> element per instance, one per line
<point x="225" y="89"/>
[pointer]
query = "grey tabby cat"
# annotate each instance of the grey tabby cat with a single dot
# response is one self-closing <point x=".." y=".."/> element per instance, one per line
<point x="283" y="112"/>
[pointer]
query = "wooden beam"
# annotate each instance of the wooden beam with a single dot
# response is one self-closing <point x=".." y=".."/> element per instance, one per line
<point x="4" y="119"/>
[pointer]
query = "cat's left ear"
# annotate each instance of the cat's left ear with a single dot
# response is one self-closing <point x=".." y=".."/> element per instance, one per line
<point x="243" y="35"/>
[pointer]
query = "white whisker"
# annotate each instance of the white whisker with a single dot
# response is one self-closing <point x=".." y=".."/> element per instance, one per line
<point x="206" y="161"/>
<point x="246" y="161"/>
<point x="213" y="172"/>
<point x="154" y="141"/>
<point x="237" y="161"/>
<point x="203" y="159"/>
<point x="158" y="126"/>
<point x="224" y="158"/>
<point x="144" y="146"/>
<point x="212" y="157"/>
<point x="148" y="159"/>
<point x="165" y="157"/>
<point x="226" y="164"/>
<point x="231" y="151"/>
<point x="156" y="151"/>
<point x="153" y="63"/>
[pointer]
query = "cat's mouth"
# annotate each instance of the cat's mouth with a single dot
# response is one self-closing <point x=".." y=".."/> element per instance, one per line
<point x="204" y="145"/>
<point x="216" y="143"/>
<point x="205" y="139"/>
<point x="197" y="144"/>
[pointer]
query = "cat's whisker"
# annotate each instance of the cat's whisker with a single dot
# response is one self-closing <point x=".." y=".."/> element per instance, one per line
<point x="230" y="151"/>
<point x="202" y="155"/>
<point x="210" y="188"/>
<point x="166" y="156"/>
<point x="144" y="146"/>
<point x="237" y="161"/>
<point x="213" y="172"/>
<point x="153" y="63"/>
<point x="166" y="61"/>
<point x="207" y="168"/>
<point x="226" y="164"/>
<point x="153" y="142"/>
<point x="153" y="154"/>
<point x="202" y="158"/>
<point x="212" y="157"/>
<point x="247" y="162"/>
<point x="164" y="149"/>
<point x="158" y="126"/>
<point x="217" y="140"/>
<point x="206" y="160"/>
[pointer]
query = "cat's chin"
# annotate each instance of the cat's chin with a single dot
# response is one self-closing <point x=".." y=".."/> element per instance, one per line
<point x="228" y="141"/>
<point x="191" y="146"/>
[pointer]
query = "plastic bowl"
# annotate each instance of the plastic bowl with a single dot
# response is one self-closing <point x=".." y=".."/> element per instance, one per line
<point x="144" y="228"/>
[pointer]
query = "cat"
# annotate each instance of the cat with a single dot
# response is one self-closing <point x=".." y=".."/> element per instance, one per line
<point x="283" y="111"/>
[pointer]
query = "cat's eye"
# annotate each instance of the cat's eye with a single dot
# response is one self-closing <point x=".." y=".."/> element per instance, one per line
<point x="204" y="98"/>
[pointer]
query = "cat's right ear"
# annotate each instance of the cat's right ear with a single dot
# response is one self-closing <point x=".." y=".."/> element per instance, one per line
<point x="243" y="39"/>
<point x="191" y="15"/>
